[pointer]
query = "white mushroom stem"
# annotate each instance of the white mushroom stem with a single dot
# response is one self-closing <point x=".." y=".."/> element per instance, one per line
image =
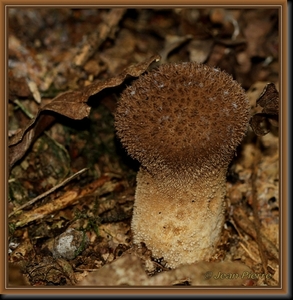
<point x="181" y="225"/>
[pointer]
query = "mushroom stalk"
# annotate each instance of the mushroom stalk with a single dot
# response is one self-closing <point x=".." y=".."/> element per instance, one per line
<point x="182" y="122"/>
<point x="182" y="225"/>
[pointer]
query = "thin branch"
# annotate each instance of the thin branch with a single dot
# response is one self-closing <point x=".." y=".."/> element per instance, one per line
<point x="48" y="192"/>
<point x="257" y="224"/>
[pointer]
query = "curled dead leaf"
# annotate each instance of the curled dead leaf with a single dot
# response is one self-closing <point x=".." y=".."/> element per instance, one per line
<point x="71" y="104"/>
<point x="269" y="100"/>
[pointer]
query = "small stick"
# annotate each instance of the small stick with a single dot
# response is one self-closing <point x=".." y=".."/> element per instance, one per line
<point x="262" y="253"/>
<point x="48" y="192"/>
<point x="248" y="252"/>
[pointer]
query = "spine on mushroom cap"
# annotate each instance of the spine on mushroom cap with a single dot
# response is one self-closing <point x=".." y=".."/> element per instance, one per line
<point x="180" y="115"/>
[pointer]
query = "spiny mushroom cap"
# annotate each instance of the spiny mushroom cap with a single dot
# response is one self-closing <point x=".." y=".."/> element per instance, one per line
<point x="180" y="115"/>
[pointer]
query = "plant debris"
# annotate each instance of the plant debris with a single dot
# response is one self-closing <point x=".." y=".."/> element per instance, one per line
<point x="269" y="99"/>
<point x="67" y="68"/>
<point x="69" y="104"/>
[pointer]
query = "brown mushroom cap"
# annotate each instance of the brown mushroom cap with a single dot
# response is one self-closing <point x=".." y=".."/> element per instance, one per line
<point x="181" y="115"/>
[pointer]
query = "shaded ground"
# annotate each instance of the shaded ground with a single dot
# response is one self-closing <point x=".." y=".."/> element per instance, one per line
<point x="61" y="228"/>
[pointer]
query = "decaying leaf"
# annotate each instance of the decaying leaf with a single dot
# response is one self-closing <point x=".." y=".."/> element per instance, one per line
<point x="171" y="43"/>
<point x="247" y="225"/>
<point x="71" y="104"/>
<point x="49" y="270"/>
<point x="269" y="100"/>
<point x="99" y="44"/>
<point x="18" y="86"/>
<point x="128" y="270"/>
<point x="15" y="276"/>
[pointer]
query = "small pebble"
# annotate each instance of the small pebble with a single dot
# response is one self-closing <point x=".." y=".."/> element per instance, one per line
<point x="69" y="244"/>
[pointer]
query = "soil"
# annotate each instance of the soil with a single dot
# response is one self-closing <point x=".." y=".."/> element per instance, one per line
<point x="72" y="185"/>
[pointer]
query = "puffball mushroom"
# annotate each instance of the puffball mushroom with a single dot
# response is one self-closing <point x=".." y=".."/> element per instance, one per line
<point x="182" y="122"/>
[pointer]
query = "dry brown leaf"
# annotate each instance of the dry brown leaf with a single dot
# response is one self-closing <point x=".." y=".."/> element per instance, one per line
<point x="71" y="104"/>
<point x="18" y="86"/>
<point x="208" y="274"/>
<point x="172" y="42"/>
<point x="269" y="100"/>
<point x="128" y="270"/>
<point x="15" y="276"/>
<point x="50" y="270"/>
<point x="257" y="27"/>
<point x="200" y="50"/>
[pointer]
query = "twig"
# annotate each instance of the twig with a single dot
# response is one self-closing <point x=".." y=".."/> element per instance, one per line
<point x="98" y="36"/>
<point x="48" y="192"/>
<point x="23" y="109"/>
<point x="263" y="256"/>
<point x="248" y="252"/>
<point x="241" y="220"/>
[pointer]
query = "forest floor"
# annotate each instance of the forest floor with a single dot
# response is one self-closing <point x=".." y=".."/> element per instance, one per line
<point x="71" y="184"/>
